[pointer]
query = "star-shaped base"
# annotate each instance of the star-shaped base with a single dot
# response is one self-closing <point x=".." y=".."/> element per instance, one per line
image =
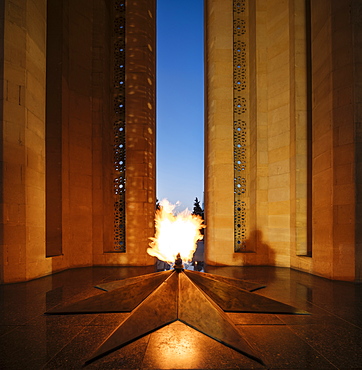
<point x="196" y="299"/>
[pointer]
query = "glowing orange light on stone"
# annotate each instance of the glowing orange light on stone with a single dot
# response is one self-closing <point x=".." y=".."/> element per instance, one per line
<point x="175" y="233"/>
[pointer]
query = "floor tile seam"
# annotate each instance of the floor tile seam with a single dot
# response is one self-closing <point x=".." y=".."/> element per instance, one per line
<point x="61" y="349"/>
<point x="284" y="318"/>
<point x="145" y="351"/>
<point x="347" y="322"/>
<point x="259" y="324"/>
<point x="276" y="298"/>
<point x="101" y="315"/>
<point x="28" y="321"/>
<point x="67" y="301"/>
<point x="15" y="327"/>
<point x="94" y="318"/>
<point x="288" y="303"/>
<point x="313" y="348"/>
<point x="12" y="325"/>
<point x="62" y="325"/>
<point x="45" y="315"/>
<point x="331" y="313"/>
<point x="119" y="322"/>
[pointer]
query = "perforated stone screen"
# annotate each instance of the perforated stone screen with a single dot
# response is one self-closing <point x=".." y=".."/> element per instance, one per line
<point x="240" y="112"/>
<point x="119" y="126"/>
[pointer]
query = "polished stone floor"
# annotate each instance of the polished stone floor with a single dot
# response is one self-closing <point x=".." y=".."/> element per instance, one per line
<point x="330" y="338"/>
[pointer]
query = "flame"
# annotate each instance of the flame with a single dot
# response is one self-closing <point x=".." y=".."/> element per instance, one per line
<point x="175" y="233"/>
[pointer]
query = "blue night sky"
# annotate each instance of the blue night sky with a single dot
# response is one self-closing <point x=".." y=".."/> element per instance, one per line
<point x="180" y="101"/>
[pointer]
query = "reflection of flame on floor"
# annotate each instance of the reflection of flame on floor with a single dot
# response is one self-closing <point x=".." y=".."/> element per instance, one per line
<point x="175" y="234"/>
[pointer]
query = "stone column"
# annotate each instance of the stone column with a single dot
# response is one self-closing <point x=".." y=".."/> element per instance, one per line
<point x="219" y="169"/>
<point x="334" y="141"/>
<point x="140" y="130"/>
<point x="23" y="140"/>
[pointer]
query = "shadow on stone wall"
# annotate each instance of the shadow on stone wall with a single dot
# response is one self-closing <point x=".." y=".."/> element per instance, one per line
<point x="257" y="251"/>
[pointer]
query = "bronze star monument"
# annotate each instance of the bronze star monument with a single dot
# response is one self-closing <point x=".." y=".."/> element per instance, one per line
<point x="195" y="298"/>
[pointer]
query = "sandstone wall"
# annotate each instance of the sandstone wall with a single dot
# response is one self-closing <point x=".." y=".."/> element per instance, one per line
<point x="23" y="141"/>
<point x="303" y="172"/>
<point x="57" y="109"/>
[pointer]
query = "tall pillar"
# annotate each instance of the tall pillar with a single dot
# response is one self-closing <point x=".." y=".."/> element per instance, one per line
<point x="22" y="125"/>
<point x="219" y="167"/>
<point x="335" y="144"/>
<point x="138" y="172"/>
<point x="140" y="129"/>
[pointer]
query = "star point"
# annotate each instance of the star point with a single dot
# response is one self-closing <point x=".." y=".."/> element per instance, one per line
<point x="197" y="299"/>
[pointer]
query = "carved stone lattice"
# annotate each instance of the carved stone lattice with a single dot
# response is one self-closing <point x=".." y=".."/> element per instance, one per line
<point x="119" y="127"/>
<point x="240" y="123"/>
